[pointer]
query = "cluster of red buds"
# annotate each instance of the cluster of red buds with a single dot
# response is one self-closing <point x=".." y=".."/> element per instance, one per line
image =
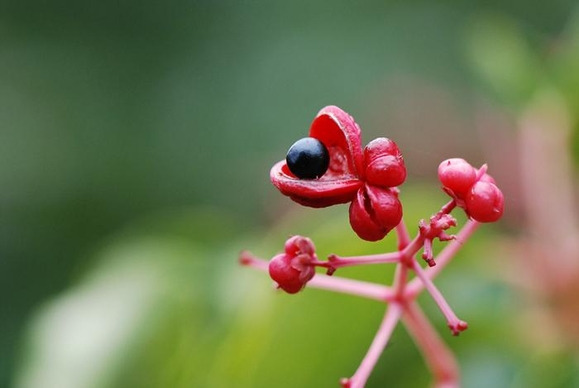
<point x="473" y="190"/>
<point x="292" y="269"/>
<point x="329" y="167"/>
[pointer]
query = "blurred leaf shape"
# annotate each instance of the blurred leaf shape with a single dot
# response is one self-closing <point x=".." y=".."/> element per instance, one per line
<point x="79" y="339"/>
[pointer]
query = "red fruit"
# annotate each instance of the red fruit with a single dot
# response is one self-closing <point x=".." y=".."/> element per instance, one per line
<point x="485" y="202"/>
<point x="384" y="163"/>
<point x="362" y="220"/>
<point x="375" y="212"/>
<point x="386" y="206"/>
<point x="457" y="176"/>
<point x="340" y="135"/>
<point x="362" y="178"/>
<point x="291" y="270"/>
<point x="287" y="277"/>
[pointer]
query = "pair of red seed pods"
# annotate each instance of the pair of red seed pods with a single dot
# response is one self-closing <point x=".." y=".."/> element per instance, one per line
<point x="330" y="168"/>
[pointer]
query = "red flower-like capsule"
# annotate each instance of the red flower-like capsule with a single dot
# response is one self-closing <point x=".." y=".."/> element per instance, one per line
<point x="485" y="201"/>
<point x="375" y="212"/>
<point x="341" y="137"/>
<point x="384" y="163"/>
<point x="292" y="270"/>
<point x="473" y="190"/>
<point x="457" y="177"/>
<point x="362" y="178"/>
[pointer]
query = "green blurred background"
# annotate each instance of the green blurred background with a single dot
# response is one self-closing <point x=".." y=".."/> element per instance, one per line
<point x="135" y="144"/>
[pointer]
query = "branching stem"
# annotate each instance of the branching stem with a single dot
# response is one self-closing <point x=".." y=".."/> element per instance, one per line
<point x="391" y="317"/>
<point x="439" y="358"/>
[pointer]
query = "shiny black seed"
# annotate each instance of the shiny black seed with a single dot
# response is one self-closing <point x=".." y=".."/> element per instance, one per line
<point x="308" y="158"/>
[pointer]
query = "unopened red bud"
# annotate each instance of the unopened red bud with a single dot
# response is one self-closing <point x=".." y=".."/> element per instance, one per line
<point x="375" y="212"/>
<point x="292" y="270"/>
<point x="386" y="205"/>
<point x="485" y="202"/>
<point x="379" y="147"/>
<point x="296" y="245"/>
<point x="362" y="221"/>
<point x="282" y="272"/>
<point x="457" y="176"/>
<point x="384" y="163"/>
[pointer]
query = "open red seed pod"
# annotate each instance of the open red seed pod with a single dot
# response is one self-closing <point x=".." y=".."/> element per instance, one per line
<point x="340" y="134"/>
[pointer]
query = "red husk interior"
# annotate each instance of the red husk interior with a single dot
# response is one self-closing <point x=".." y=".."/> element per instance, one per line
<point x="313" y="193"/>
<point x="341" y="136"/>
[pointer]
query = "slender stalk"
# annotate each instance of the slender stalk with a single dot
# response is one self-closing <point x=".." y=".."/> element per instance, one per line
<point x="448" y="207"/>
<point x="402" y="235"/>
<point x="335" y="261"/>
<point x="411" y="249"/>
<point x="391" y="317"/>
<point x="456" y="325"/>
<point x="248" y="259"/>
<point x="352" y="287"/>
<point x="437" y="355"/>
<point x="400" y="280"/>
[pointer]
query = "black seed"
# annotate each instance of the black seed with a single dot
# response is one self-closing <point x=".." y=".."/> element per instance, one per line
<point x="308" y="158"/>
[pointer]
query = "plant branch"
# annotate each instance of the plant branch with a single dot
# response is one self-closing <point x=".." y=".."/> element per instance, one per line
<point x="389" y="322"/>
<point x="334" y="261"/>
<point x="402" y="235"/>
<point x="438" y="356"/>
<point x="456" y="325"/>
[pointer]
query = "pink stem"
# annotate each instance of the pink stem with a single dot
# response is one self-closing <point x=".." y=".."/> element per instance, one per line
<point x="406" y="258"/>
<point x="402" y="234"/>
<point x="334" y="283"/>
<point x="443" y="258"/>
<point x="456" y="325"/>
<point x="400" y="280"/>
<point x="427" y="255"/>
<point x="335" y="261"/>
<point x="391" y="317"/>
<point x="438" y="357"/>
<point x="448" y="207"/>
<point x="352" y="287"/>
<point x="248" y="259"/>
